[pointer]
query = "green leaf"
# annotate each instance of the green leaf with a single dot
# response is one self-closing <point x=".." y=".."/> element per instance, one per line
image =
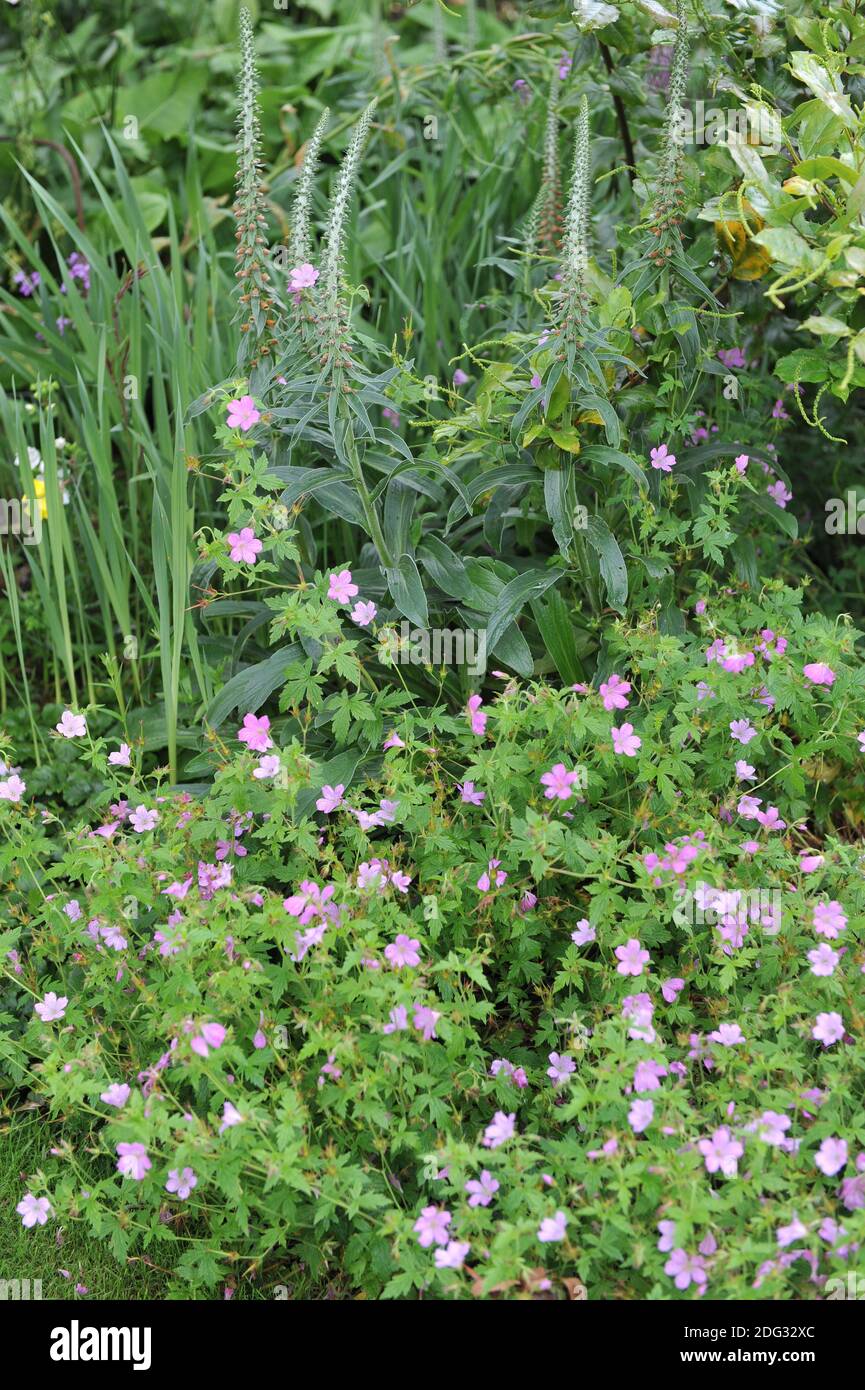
<point x="407" y="591"/>
<point x="514" y="597"/>
<point x="248" y="690"/>
<point x="612" y="564"/>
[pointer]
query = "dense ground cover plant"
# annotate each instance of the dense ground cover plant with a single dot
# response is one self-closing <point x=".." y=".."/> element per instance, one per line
<point x="431" y="791"/>
<point x="568" y="970"/>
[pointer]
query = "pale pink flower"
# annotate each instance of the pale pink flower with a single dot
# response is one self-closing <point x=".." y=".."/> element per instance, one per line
<point x="254" y="733"/>
<point x="499" y="1130"/>
<point x="181" y="1183"/>
<point x="829" y="919"/>
<point x="121" y="756"/>
<point x="363" y="614"/>
<point x="50" y="1009"/>
<point x="818" y="673"/>
<point x="469" y="795"/>
<point x="132" y="1161"/>
<point x="242" y="414"/>
<point x="823" y="960"/>
<point x="330" y="798"/>
<point x="831" y="1156"/>
<point x="302" y="277"/>
<point x="405" y="950"/>
<point x="453" y="1255"/>
<point x="828" y="1029"/>
<point x="243" y="547"/>
<point x="640" y="1115"/>
<point x="742" y="730"/>
<point x="552" y="1228"/>
<point x="341" y="588"/>
<point x="744" y="771"/>
<point x="12" y="788"/>
<point x="141" y="819"/>
<point x="584" y="934"/>
<point x="722" y="1152"/>
<point x="268" y="766"/>
<point x="558" y="783"/>
<point x="432" y="1226"/>
<point x="117" y="1094"/>
<point x="631" y="957"/>
<point x="482" y="1190"/>
<point x="71" y="725"/>
<point x="34" y="1211"/>
<point x="662" y="458"/>
<point x="477" y="719"/>
<point x="614" y="693"/>
<point x="485" y="881"/>
<point x="625" y="740"/>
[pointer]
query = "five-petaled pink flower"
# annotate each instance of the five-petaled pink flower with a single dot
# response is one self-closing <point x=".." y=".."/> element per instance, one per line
<point x="558" y="782"/>
<point x="552" y="1228"/>
<point x="828" y="1029"/>
<point x="341" y="588"/>
<point x="742" y="730"/>
<point x="132" y="1161"/>
<point x="405" y="950"/>
<point x="831" y="1156"/>
<point x="631" y="957"/>
<point x="254" y="733"/>
<point x="363" y="614"/>
<point x="500" y="1129"/>
<point x="482" y="1190"/>
<point x="432" y="1226"/>
<point x="302" y="277"/>
<point x="614" y="693"/>
<point x="50" y="1008"/>
<point x="625" y="740"/>
<point x="243" y="547"/>
<point x="34" y="1211"/>
<point x="242" y="414"/>
<point x="71" y="725"/>
<point x="330" y="798"/>
<point x="662" y="459"/>
<point x="722" y="1152"/>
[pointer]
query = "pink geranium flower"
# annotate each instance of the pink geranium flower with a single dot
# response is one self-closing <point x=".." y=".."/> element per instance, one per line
<point x="614" y="693"/>
<point x="828" y="1029"/>
<point x="625" y="741"/>
<point x="662" y="459"/>
<point x="243" y="546"/>
<point x="558" y="782"/>
<point x="831" y="1156"/>
<point x="253" y="732"/>
<point x="722" y="1152"/>
<point x="818" y="673"/>
<point x="132" y="1161"/>
<point x="405" y="950"/>
<point x="71" y="725"/>
<point x="477" y="719"/>
<point x="631" y="957"/>
<point x="341" y="588"/>
<point x="302" y="277"/>
<point x="500" y="1129"/>
<point x="552" y="1228"/>
<point x="242" y="414"/>
<point x="50" y="1008"/>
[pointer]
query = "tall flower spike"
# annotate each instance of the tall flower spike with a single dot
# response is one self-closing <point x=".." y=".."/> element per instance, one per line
<point x="335" y="315"/>
<point x="550" y="223"/>
<point x="257" y="313"/>
<point x="670" y="192"/>
<point x="576" y="255"/>
<point x="300" y="241"/>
